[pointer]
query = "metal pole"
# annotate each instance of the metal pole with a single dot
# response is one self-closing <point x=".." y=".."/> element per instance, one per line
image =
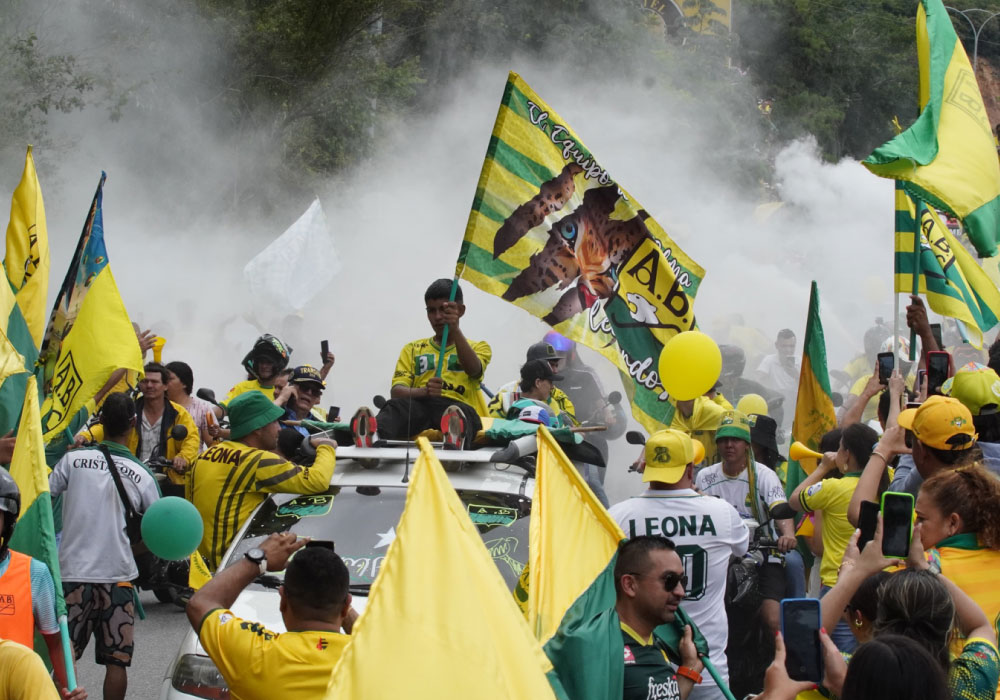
<point x="975" y="31"/>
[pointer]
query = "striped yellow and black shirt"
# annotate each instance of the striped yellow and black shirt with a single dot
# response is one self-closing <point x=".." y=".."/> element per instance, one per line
<point x="230" y="479"/>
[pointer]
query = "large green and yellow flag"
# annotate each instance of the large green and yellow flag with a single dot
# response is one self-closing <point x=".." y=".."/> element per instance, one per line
<point x="814" y="412"/>
<point x="35" y="534"/>
<point x="440" y="612"/>
<point x="89" y="334"/>
<point x="27" y="259"/>
<point x="949" y="276"/>
<point x="948" y="156"/>
<point x="552" y="232"/>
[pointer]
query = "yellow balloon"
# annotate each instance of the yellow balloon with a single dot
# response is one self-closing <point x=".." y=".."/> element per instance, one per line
<point x="690" y="364"/>
<point x="752" y="403"/>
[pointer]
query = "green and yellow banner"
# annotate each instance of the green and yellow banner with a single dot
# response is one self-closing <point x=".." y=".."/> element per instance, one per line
<point x="947" y="158"/>
<point x="814" y="412"/>
<point x="553" y="233"/>
<point x="27" y="257"/>
<point x="949" y="275"/>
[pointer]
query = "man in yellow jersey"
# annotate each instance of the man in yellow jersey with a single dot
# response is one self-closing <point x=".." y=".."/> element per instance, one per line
<point x="422" y="399"/>
<point x="263" y="364"/>
<point x="700" y="418"/>
<point x="315" y="605"/>
<point x="231" y="478"/>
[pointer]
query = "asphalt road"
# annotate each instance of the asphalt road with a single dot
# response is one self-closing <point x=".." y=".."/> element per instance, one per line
<point x="157" y="639"/>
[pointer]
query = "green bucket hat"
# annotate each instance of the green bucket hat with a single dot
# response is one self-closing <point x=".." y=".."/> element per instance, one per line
<point x="734" y="424"/>
<point x="249" y="411"/>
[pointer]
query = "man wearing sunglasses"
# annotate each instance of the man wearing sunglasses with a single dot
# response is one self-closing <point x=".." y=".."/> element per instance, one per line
<point x="707" y="531"/>
<point x="301" y="396"/>
<point x="649" y="583"/>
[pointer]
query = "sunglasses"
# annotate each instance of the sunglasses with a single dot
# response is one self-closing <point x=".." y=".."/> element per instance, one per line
<point x="310" y="389"/>
<point x="670" y="581"/>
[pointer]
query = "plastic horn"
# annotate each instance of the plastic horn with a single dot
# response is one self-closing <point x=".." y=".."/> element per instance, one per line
<point x="800" y="452"/>
<point x="158" y="348"/>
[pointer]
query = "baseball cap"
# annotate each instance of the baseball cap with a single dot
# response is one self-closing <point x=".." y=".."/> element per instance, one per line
<point x="668" y="453"/>
<point x="535" y="414"/>
<point x="941" y="422"/>
<point x="543" y="351"/>
<point x="249" y="411"/>
<point x="538" y="369"/>
<point x="975" y="387"/>
<point x="305" y="374"/>
<point x="734" y="424"/>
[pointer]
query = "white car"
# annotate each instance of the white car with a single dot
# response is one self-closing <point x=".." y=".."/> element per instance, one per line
<point x="359" y="514"/>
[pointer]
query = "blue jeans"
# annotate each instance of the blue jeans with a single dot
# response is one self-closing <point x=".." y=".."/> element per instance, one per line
<point x="841" y="634"/>
<point x="795" y="575"/>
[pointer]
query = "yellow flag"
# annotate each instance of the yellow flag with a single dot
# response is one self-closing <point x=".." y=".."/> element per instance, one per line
<point x="27" y="257"/>
<point x="198" y="574"/>
<point x="11" y="361"/>
<point x="572" y="543"/>
<point x="439" y="613"/>
<point x="101" y="341"/>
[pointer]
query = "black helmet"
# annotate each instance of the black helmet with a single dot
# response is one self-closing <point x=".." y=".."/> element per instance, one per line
<point x="267" y="347"/>
<point x="734" y="360"/>
<point x="10" y="504"/>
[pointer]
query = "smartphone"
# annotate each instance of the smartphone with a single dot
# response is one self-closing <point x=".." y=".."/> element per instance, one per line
<point x="332" y="414"/>
<point x="800" y="624"/>
<point x="936" y="332"/>
<point x="324" y="348"/>
<point x="921" y="380"/>
<point x="938" y="370"/>
<point x="886" y="363"/>
<point x="867" y="521"/>
<point x="326" y="544"/>
<point x="897" y="524"/>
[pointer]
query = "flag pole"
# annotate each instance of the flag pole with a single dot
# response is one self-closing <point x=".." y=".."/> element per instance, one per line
<point x="916" y="275"/>
<point x="67" y="654"/>
<point x="444" y="333"/>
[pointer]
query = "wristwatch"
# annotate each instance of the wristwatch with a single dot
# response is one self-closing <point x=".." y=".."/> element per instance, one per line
<point x="258" y="557"/>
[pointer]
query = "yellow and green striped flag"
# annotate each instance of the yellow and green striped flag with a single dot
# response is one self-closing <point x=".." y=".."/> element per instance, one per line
<point x="814" y="412"/>
<point x="950" y="277"/>
<point x="27" y="259"/>
<point x="553" y="233"/>
<point x="948" y="156"/>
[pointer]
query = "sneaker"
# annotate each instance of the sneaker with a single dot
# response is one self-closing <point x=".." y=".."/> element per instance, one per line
<point x="363" y="427"/>
<point x="453" y="428"/>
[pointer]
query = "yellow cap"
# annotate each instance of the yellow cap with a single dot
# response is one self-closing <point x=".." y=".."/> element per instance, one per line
<point x="668" y="453"/>
<point x="941" y="422"/>
<point x="975" y="388"/>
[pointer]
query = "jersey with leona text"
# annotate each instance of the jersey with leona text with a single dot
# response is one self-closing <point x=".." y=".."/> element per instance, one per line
<point x="706" y="531"/>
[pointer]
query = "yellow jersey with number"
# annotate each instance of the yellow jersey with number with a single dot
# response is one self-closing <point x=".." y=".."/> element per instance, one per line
<point x="259" y="663"/>
<point x="249" y="385"/>
<point x="418" y="362"/>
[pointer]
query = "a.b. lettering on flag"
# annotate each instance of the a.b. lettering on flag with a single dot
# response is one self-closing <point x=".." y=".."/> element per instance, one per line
<point x="965" y="95"/>
<point x="66" y="384"/>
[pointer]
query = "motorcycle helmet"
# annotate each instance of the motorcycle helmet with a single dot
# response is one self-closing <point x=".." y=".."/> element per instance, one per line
<point x="10" y="504"/>
<point x="734" y="361"/>
<point x="267" y="347"/>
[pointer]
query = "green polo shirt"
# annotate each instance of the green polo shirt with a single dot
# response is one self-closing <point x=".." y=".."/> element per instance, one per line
<point x="649" y="671"/>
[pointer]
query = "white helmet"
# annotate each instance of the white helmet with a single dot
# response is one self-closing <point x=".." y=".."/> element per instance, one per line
<point x="903" y="354"/>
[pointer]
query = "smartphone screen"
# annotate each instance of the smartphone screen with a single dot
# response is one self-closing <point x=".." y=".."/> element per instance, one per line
<point x="886" y="362"/>
<point x="897" y="524"/>
<point x="867" y="521"/>
<point x="921" y="380"/>
<point x="936" y="332"/>
<point x="324" y="348"/>
<point x="800" y="623"/>
<point x="938" y="367"/>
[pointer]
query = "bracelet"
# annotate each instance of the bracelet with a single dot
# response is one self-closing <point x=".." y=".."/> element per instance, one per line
<point x="689" y="674"/>
<point x="876" y="453"/>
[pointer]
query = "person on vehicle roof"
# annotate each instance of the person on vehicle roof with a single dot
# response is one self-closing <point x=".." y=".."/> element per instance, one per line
<point x="231" y="478"/>
<point x="425" y="396"/>
<point x="499" y="405"/>
<point x="263" y="364"/>
<point x="315" y="604"/>
<point x="158" y="416"/>
<point x="301" y="396"/>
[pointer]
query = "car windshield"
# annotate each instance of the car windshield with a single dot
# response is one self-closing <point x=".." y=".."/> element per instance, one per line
<point x="361" y="523"/>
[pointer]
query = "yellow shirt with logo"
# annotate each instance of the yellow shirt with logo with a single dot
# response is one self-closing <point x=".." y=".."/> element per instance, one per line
<point x="259" y="663"/>
<point x="418" y="361"/>
<point x="230" y="479"/>
<point x="832" y="496"/>
<point x="249" y="385"/>
<point x="701" y="425"/>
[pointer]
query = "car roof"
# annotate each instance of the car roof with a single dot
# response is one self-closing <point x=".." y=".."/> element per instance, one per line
<point x="467" y="469"/>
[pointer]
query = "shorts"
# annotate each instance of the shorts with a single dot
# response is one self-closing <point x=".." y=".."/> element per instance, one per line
<point x="771" y="581"/>
<point x="106" y="611"/>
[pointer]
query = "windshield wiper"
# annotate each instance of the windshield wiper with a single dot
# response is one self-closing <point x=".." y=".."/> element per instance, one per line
<point x="359" y="588"/>
<point x="268" y="581"/>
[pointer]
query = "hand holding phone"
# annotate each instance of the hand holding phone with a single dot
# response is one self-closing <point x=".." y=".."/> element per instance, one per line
<point x="886" y="363"/>
<point x="800" y="624"/>
<point x="938" y="370"/>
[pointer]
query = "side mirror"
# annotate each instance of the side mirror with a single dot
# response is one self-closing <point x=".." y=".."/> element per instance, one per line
<point x="178" y="432"/>
<point x="615" y="397"/>
<point x="206" y="394"/>
<point x="634" y="437"/>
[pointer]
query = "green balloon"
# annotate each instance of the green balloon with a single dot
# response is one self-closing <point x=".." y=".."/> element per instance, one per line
<point x="172" y="528"/>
